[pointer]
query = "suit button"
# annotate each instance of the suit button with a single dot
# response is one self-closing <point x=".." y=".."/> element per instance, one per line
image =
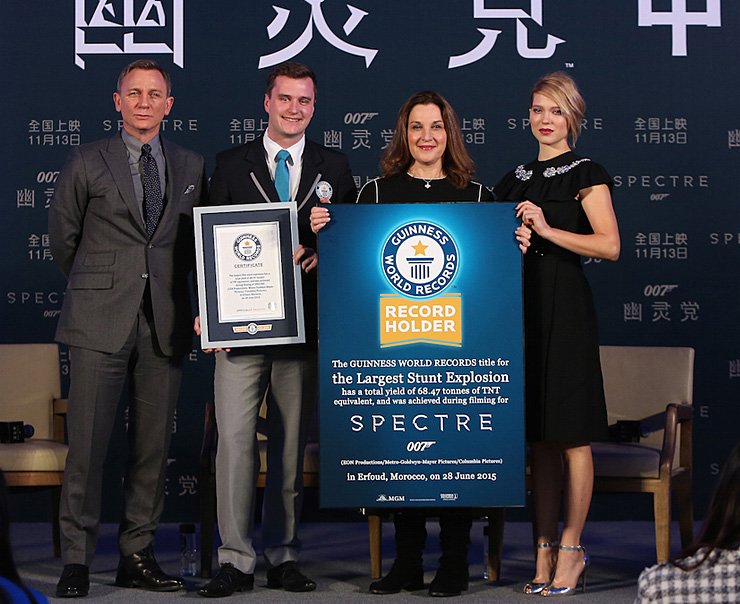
<point x="144" y="275"/>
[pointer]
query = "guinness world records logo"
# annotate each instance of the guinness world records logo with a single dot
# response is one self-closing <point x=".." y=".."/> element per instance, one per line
<point x="420" y="259"/>
<point x="247" y="247"/>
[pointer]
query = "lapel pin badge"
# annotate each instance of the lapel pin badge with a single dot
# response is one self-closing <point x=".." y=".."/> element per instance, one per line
<point x="324" y="190"/>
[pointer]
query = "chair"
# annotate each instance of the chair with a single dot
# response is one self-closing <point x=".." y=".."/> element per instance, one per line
<point x="208" y="477"/>
<point x="653" y="386"/>
<point x="30" y="392"/>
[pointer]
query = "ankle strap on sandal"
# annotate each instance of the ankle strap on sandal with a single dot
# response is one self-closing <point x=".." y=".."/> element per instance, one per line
<point x="548" y="544"/>
<point x="572" y="548"/>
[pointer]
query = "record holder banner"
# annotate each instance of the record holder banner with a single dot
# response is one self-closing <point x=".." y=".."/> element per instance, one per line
<point x="421" y="356"/>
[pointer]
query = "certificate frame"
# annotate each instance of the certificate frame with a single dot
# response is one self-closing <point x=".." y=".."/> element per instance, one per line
<point x="249" y="289"/>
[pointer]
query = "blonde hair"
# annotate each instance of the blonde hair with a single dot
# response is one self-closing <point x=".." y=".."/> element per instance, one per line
<point x="561" y="88"/>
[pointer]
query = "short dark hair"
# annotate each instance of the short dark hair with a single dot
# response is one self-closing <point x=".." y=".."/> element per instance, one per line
<point x="456" y="162"/>
<point x="145" y="64"/>
<point x="293" y="70"/>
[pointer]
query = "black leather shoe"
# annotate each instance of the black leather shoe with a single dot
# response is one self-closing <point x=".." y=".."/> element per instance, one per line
<point x="288" y="577"/>
<point x="141" y="570"/>
<point x="227" y="580"/>
<point x="399" y="578"/>
<point x="74" y="582"/>
<point x="449" y="582"/>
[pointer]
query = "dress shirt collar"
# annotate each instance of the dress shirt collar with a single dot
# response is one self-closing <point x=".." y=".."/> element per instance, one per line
<point x="295" y="163"/>
<point x="134" y="145"/>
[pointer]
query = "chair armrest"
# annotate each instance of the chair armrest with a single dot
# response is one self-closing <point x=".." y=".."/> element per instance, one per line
<point x="59" y="405"/>
<point x="684" y="412"/>
<point x="685" y="415"/>
<point x="675" y="413"/>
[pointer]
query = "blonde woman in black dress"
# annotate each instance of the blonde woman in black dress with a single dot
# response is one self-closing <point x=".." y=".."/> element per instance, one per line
<point x="564" y="202"/>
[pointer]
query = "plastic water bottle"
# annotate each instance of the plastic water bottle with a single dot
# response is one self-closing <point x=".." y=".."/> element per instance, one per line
<point x="188" y="550"/>
<point x="485" y="553"/>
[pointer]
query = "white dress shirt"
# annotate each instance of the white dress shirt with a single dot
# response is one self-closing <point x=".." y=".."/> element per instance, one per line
<point x="295" y="163"/>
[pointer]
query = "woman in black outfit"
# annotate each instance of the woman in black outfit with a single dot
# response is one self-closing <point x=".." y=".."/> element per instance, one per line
<point x="426" y="161"/>
<point x="565" y="202"/>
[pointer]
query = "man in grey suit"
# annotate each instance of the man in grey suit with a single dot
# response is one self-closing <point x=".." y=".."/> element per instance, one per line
<point x="121" y="230"/>
<point x="251" y="174"/>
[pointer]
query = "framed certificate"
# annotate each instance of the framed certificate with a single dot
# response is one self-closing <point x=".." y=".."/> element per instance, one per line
<point x="249" y="290"/>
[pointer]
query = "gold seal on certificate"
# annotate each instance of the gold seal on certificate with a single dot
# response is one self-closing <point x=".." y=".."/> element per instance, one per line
<point x="324" y="190"/>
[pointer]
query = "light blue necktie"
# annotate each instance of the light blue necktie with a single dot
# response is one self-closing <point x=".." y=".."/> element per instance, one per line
<point x="282" y="177"/>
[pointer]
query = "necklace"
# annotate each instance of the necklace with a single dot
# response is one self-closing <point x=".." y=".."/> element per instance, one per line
<point x="428" y="181"/>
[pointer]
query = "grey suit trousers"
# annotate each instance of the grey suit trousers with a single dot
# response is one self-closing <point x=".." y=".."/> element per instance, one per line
<point x="97" y="381"/>
<point x="241" y="381"/>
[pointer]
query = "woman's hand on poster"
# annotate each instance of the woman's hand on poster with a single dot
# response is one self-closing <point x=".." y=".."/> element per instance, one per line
<point x="523" y="235"/>
<point x="531" y="216"/>
<point x="319" y="216"/>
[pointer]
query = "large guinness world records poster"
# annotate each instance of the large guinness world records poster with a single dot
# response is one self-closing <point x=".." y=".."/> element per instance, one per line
<point x="421" y="356"/>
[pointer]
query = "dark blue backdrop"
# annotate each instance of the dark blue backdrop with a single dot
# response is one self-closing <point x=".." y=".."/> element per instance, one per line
<point x="661" y="117"/>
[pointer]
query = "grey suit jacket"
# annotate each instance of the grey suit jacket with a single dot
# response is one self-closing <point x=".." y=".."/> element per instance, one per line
<point x="98" y="238"/>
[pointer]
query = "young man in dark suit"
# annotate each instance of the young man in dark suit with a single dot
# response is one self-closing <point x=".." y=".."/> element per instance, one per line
<point x="121" y="230"/>
<point x="251" y="174"/>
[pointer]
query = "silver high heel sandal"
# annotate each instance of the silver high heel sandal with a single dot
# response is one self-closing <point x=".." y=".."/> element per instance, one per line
<point x="569" y="591"/>
<point x="536" y="588"/>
